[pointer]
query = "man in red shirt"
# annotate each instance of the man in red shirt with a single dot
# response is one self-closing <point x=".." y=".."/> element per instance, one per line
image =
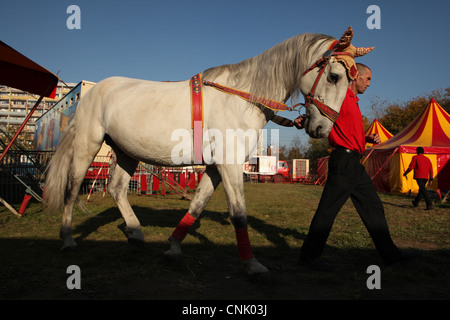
<point x="347" y="178"/>
<point x="423" y="172"/>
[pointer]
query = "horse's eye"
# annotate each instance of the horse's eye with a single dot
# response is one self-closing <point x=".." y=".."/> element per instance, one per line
<point x="333" y="77"/>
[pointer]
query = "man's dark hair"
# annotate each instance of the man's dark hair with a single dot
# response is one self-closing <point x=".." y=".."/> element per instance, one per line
<point x="419" y="150"/>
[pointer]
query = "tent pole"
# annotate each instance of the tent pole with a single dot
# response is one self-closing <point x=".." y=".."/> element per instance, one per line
<point x="368" y="155"/>
<point x="10" y="208"/>
<point x="317" y="181"/>
<point x="385" y="163"/>
<point x="21" y="128"/>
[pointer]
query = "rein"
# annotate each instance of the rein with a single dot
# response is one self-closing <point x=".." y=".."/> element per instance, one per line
<point x="268" y="103"/>
<point x="267" y="106"/>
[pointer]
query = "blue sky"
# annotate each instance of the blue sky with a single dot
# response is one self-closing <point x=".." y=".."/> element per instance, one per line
<point x="173" y="40"/>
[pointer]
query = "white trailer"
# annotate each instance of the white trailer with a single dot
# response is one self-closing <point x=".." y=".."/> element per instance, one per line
<point x="299" y="169"/>
<point x="261" y="168"/>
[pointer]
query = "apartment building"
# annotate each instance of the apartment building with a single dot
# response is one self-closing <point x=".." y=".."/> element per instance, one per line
<point x="15" y="105"/>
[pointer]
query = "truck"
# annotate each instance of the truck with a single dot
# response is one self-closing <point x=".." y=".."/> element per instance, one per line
<point x="266" y="169"/>
<point x="299" y="170"/>
<point x="269" y="169"/>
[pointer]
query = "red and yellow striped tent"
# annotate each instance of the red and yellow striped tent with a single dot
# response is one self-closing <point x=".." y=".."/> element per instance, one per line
<point x="377" y="127"/>
<point x="387" y="161"/>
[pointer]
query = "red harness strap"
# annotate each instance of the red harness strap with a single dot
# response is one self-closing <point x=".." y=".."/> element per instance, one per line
<point x="197" y="116"/>
<point x="268" y="103"/>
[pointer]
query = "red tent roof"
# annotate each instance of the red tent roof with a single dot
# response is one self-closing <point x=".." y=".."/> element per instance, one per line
<point x="431" y="129"/>
<point x="19" y="72"/>
<point x="377" y="127"/>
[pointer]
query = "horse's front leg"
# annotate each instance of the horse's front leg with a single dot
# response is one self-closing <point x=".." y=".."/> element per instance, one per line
<point x="209" y="182"/>
<point x="232" y="178"/>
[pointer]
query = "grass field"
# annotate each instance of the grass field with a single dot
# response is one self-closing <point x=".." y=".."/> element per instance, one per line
<point x="33" y="267"/>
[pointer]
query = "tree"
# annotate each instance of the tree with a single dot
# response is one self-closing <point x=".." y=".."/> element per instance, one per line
<point x="396" y="116"/>
<point x="297" y="150"/>
<point x="282" y="153"/>
<point x="318" y="148"/>
<point x="366" y="122"/>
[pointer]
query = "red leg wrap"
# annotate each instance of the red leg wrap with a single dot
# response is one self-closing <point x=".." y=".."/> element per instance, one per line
<point x="243" y="242"/>
<point x="183" y="227"/>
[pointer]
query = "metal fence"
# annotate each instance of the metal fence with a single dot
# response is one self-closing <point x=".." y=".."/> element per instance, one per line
<point x="23" y="172"/>
<point x="147" y="179"/>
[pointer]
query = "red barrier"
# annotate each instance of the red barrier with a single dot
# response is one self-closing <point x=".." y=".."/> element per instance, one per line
<point x="24" y="204"/>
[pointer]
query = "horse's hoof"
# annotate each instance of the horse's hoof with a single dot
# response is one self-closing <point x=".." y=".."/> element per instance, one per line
<point x="262" y="278"/>
<point x="252" y="266"/>
<point x="69" y="245"/>
<point x="71" y="248"/>
<point x="172" y="256"/>
<point x="137" y="243"/>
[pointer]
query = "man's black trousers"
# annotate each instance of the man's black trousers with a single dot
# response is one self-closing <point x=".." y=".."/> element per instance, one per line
<point x="348" y="178"/>
<point x="422" y="192"/>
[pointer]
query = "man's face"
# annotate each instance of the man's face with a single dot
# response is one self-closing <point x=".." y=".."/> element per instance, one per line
<point x="363" y="80"/>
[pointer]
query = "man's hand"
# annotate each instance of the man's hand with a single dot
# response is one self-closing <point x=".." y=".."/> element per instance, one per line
<point x="406" y="173"/>
<point x="373" y="138"/>
<point x="300" y="122"/>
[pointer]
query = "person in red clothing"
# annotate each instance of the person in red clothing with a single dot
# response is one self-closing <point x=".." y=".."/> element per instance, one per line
<point x="347" y="178"/>
<point x="423" y="173"/>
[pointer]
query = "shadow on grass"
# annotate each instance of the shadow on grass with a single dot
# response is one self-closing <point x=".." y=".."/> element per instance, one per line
<point x="36" y="269"/>
<point x="171" y="218"/>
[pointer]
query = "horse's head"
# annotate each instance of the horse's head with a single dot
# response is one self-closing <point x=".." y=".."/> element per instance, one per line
<point x="324" y="84"/>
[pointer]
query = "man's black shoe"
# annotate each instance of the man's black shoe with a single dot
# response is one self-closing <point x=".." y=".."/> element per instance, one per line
<point x="316" y="264"/>
<point x="415" y="205"/>
<point x="409" y="255"/>
<point x="404" y="257"/>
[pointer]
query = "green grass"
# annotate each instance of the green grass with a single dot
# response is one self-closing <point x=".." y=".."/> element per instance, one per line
<point x="32" y="265"/>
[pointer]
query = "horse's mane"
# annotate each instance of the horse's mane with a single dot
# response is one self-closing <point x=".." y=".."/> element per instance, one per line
<point x="282" y="64"/>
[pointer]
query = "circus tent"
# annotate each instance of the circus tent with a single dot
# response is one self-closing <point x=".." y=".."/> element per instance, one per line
<point x="387" y="161"/>
<point x="377" y="127"/>
<point x="322" y="163"/>
<point x="19" y="72"/>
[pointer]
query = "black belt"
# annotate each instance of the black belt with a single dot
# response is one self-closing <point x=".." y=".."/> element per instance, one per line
<point x="352" y="152"/>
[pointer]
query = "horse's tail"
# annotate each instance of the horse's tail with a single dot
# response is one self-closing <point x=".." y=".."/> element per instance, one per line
<point x="59" y="171"/>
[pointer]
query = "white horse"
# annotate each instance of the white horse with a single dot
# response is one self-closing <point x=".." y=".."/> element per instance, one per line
<point x="138" y="117"/>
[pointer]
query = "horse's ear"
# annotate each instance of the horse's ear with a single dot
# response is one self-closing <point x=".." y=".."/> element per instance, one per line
<point x="345" y="40"/>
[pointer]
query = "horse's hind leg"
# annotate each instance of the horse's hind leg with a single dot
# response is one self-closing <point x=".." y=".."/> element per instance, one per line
<point x="118" y="187"/>
<point x="209" y="182"/>
<point x="80" y="162"/>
